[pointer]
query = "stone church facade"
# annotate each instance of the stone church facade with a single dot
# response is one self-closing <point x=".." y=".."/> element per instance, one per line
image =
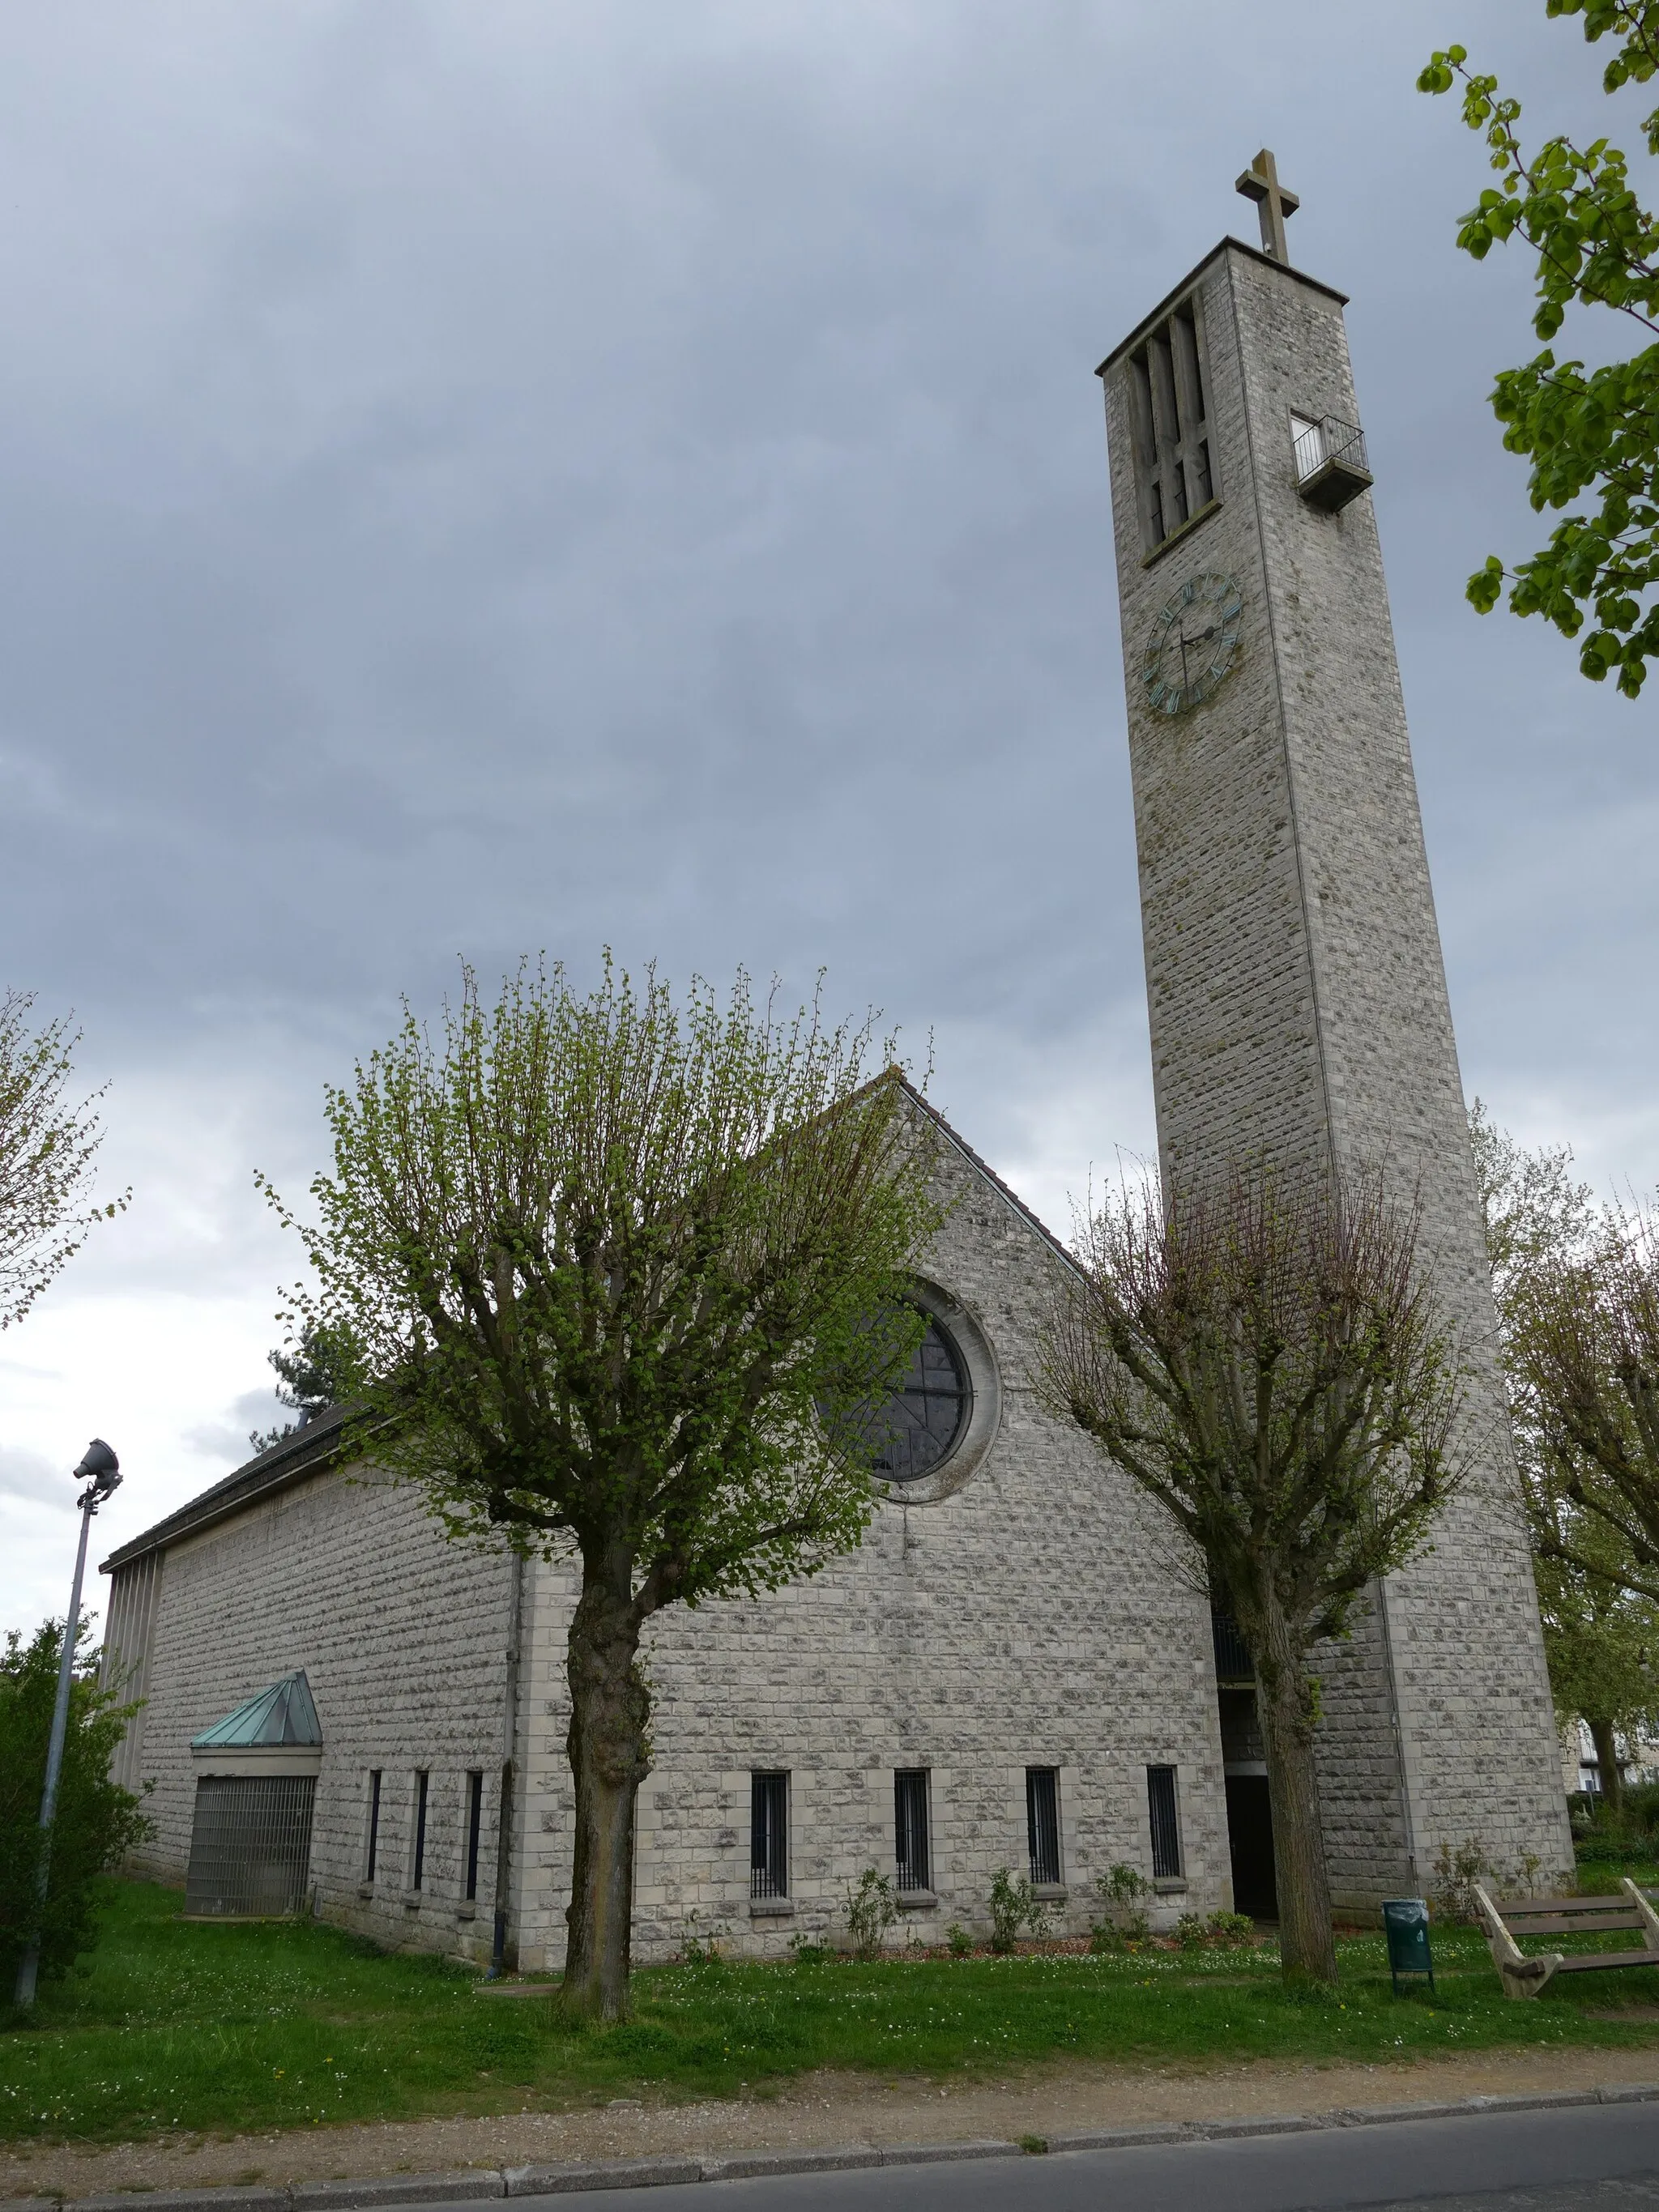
<point x="1014" y="1633"/>
<point x="1013" y="1670"/>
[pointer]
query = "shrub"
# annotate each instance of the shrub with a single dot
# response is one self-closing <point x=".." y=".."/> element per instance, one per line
<point x="1456" y="1873"/>
<point x="97" y="1822"/>
<point x="1120" y="1891"/>
<point x="1191" y="1932"/>
<point x="1227" y="1930"/>
<point x="1014" y="1907"/>
<point x="961" y="1942"/>
<point x="872" y="1909"/>
<point x="806" y="1952"/>
<point x="701" y="1947"/>
<point x="1122" y="1885"/>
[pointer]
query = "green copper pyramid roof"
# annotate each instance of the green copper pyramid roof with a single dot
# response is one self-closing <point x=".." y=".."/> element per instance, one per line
<point x="282" y="1714"/>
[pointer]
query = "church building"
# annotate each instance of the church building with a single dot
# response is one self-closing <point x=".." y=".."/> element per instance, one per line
<point x="343" y="1712"/>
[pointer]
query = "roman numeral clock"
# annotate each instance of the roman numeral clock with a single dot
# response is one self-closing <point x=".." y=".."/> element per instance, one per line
<point x="1192" y="643"/>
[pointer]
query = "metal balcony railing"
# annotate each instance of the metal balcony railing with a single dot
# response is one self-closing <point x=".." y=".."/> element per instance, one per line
<point x="1330" y="462"/>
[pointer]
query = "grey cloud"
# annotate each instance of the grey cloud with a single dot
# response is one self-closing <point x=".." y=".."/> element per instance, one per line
<point x="475" y="480"/>
<point x="31" y="1477"/>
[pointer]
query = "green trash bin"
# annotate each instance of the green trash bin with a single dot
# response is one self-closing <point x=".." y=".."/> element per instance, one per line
<point x="1406" y="1922"/>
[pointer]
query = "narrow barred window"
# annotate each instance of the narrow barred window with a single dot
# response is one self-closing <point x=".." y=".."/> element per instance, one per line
<point x="1162" y="1812"/>
<point x="474" y="1824"/>
<point x="768" y="1835"/>
<point x="418" y="1871"/>
<point x="910" y="1828"/>
<point x="1043" y="1822"/>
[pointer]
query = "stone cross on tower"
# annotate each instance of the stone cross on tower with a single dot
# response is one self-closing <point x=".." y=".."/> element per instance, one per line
<point x="1260" y="183"/>
<point x="1297" y="1000"/>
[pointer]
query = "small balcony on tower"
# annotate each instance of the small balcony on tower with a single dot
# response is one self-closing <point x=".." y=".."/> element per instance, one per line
<point x="1330" y="461"/>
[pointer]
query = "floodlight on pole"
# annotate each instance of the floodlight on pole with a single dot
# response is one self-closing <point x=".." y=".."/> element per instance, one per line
<point x="101" y="1472"/>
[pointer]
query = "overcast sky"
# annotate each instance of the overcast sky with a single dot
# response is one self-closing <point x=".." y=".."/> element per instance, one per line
<point x="490" y="476"/>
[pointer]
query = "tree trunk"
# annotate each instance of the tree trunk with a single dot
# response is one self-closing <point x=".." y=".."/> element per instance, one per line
<point x="1289" y="1709"/>
<point x="1607" y="1759"/>
<point x="610" y="1757"/>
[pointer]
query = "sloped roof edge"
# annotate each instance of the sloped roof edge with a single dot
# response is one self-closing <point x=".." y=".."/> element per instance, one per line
<point x="307" y="1451"/>
<point x="1011" y="1199"/>
<point x="311" y="1449"/>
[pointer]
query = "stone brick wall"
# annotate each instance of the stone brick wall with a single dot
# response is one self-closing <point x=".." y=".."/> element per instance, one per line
<point x="403" y="1638"/>
<point x="1299" y="1012"/>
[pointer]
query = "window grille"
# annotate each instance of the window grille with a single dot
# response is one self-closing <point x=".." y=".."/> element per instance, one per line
<point x="1043" y="1822"/>
<point x="417" y="1871"/>
<point x="373" y="1853"/>
<point x="910" y="1828"/>
<point x="769" y="1836"/>
<point x="250" y="1845"/>
<point x="1170" y="409"/>
<point x="1165" y="1822"/>
<point x="474" y="1824"/>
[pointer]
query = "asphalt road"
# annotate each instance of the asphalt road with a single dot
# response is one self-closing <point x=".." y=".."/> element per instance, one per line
<point x="1585" y="2159"/>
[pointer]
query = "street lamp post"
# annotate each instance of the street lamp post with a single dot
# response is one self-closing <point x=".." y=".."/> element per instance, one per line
<point x="102" y="1471"/>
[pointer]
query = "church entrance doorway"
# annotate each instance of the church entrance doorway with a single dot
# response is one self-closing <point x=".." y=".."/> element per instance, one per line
<point x="1250" y="1840"/>
<point x="1249" y="1813"/>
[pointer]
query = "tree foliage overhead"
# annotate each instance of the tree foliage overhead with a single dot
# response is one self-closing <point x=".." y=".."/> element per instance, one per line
<point x="622" y="1278"/>
<point x="1274" y="1370"/>
<point x="1587" y="432"/>
<point x="97" y="1822"/>
<point x="46" y="1150"/>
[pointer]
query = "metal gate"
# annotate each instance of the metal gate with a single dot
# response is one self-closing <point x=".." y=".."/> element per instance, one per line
<point x="250" y="1845"/>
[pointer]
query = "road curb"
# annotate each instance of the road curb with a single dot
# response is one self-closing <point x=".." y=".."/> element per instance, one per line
<point x="486" y="2181"/>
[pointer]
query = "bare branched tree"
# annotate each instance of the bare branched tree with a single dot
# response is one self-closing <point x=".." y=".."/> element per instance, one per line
<point x="1273" y="1369"/>
<point x="46" y="1150"/>
<point x="622" y="1278"/>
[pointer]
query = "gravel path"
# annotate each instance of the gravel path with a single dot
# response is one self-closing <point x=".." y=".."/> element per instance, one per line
<point x="813" y="2110"/>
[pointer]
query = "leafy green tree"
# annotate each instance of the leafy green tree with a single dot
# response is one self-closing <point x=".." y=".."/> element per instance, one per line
<point x="620" y="1277"/>
<point x="97" y="1822"/>
<point x="46" y="1150"/>
<point x="1546" y="1240"/>
<point x="1592" y="432"/>
<point x="1585" y="1356"/>
<point x="315" y="1374"/>
<point x="1602" y="1644"/>
<point x="1273" y="1369"/>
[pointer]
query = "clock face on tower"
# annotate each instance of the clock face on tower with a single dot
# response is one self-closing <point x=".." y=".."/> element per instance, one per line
<point x="1192" y="643"/>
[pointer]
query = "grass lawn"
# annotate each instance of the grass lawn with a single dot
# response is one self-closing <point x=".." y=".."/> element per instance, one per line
<point x="175" y="2024"/>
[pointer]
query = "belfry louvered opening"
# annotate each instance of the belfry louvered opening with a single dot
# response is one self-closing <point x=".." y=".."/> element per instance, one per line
<point x="1169" y="394"/>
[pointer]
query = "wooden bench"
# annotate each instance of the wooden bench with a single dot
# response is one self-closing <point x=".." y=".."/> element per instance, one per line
<point x="1524" y="1977"/>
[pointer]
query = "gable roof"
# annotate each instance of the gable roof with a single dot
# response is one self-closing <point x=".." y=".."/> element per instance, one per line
<point x="313" y="1448"/>
<point x="285" y="1713"/>
<point x="1011" y="1199"/>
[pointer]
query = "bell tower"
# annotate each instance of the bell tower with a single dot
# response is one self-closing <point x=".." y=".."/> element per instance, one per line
<point x="1294" y="975"/>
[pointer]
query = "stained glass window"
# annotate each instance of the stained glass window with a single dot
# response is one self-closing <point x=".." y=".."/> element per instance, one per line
<point x="921" y="1423"/>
